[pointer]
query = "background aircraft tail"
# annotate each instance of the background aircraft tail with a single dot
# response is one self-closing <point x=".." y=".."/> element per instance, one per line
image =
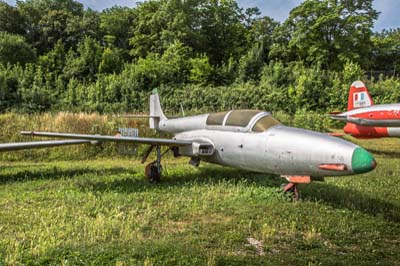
<point x="156" y="113"/>
<point x="359" y="96"/>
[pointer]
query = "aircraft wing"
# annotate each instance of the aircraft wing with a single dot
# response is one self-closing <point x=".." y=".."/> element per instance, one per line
<point x="38" y="144"/>
<point x="151" y="141"/>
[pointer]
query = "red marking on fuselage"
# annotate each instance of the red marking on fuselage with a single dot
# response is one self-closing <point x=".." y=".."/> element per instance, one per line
<point x="298" y="179"/>
<point x="333" y="167"/>
<point x="379" y="115"/>
<point x="336" y="134"/>
<point x="364" y="132"/>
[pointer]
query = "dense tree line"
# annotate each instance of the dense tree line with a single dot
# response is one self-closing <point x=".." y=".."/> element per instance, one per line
<point x="210" y="54"/>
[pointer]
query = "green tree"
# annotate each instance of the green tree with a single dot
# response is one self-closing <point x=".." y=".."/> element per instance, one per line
<point x="250" y="16"/>
<point x="330" y="32"/>
<point x="47" y="21"/>
<point x="11" y="19"/>
<point x="53" y="64"/>
<point x="84" y="64"/>
<point x="221" y="30"/>
<point x="157" y="25"/>
<point x="385" y="55"/>
<point x="155" y="70"/>
<point x="37" y="95"/>
<point x="201" y="71"/>
<point x="111" y="61"/>
<point x="54" y="61"/>
<point x="32" y="16"/>
<point x="14" y="49"/>
<point x="44" y="6"/>
<point x="9" y="87"/>
<point x="116" y="22"/>
<point x="212" y="27"/>
<point x="54" y="27"/>
<point x="79" y="27"/>
<point x="261" y="32"/>
<point x="175" y="62"/>
<point x="251" y="64"/>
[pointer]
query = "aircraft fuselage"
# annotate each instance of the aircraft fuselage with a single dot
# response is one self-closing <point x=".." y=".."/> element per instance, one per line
<point x="279" y="150"/>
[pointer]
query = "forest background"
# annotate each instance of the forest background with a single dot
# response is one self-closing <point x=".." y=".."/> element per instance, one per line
<point x="208" y="55"/>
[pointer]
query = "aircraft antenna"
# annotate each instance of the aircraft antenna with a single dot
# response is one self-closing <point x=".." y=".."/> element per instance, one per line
<point x="183" y="112"/>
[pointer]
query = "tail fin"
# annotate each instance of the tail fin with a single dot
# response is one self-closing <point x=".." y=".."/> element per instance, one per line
<point x="156" y="113"/>
<point x="359" y="96"/>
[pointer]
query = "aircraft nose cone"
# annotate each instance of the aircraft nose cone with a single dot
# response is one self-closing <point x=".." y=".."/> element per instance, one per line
<point x="362" y="161"/>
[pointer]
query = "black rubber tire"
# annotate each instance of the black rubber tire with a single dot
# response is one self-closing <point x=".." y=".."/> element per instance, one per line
<point x="154" y="174"/>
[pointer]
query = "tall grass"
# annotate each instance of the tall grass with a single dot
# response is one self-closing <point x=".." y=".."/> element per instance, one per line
<point x="11" y="124"/>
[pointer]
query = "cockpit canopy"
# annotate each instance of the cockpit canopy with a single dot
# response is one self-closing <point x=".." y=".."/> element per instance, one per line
<point x="264" y="123"/>
<point x="254" y="120"/>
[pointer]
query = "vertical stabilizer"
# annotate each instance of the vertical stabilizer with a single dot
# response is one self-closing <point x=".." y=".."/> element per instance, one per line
<point x="156" y="113"/>
<point x="358" y="96"/>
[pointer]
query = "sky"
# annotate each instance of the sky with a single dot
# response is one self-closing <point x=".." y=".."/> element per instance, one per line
<point x="277" y="9"/>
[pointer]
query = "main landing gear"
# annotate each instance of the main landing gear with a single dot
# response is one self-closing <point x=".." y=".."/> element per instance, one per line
<point x="291" y="187"/>
<point x="153" y="170"/>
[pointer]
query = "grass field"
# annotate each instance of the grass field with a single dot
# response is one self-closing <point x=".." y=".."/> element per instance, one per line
<point x="104" y="212"/>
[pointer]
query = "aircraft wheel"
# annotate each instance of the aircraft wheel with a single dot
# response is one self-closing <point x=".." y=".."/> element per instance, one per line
<point x="152" y="173"/>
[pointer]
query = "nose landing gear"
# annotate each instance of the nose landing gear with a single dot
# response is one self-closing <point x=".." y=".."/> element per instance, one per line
<point x="291" y="187"/>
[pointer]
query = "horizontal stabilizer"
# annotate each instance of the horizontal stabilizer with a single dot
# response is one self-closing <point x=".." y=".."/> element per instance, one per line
<point x="137" y="116"/>
<point x="146" y="116"/>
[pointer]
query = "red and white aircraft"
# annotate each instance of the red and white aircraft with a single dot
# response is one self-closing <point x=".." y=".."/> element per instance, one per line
<point x="366" y="120"/>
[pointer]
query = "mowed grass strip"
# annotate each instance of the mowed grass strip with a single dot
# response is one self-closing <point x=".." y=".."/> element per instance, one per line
<point x="104" y="212"/>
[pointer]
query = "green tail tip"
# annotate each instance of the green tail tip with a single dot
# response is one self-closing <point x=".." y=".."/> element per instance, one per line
<point x="155" y="91"/>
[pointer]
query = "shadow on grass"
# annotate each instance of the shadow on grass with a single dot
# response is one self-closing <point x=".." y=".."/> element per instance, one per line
<point x="54" y="173"/>
<point x="209" y="175"/>
<point x="335" y="196"/>
<point x="339" y="197"/>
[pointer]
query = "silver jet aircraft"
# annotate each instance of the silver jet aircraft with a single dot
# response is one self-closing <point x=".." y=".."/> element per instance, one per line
<point x="247" y="139"/>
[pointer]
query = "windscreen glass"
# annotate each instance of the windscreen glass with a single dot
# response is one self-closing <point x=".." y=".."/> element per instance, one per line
<point x="264" y="123"/>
